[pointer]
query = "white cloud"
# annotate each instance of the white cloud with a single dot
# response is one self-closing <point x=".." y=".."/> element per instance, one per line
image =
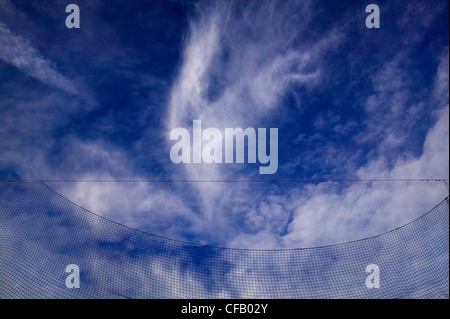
<point x="237" y="61"/>
<point x="325" y="216"/>
<point x="18" y="52"/>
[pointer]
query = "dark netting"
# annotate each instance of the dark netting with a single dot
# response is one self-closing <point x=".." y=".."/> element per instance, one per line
<point x="41" y="233"/>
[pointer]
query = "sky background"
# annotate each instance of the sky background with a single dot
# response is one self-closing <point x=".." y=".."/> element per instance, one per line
<point x="349" y="103"/>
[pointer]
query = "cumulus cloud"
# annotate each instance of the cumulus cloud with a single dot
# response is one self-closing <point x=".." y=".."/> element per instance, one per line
<point x="326" y="215"/>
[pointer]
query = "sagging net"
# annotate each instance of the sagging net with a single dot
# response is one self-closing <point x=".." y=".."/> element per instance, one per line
<point x="41" y="233"/>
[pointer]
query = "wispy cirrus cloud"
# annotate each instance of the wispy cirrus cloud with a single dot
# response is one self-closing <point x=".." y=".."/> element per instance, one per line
<point x="18" y="52"/>
<point x="239" y="59"/>
<point x="242" y="56"/>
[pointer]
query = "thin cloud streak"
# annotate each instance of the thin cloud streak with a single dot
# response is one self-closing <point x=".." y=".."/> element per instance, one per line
<point x="18" y="52"/>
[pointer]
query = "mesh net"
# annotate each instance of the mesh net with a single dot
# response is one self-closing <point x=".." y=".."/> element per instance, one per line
<point x="41" y="233"/>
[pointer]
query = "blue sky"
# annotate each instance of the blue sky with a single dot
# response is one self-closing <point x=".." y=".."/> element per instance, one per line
<point x="349" y="102"/>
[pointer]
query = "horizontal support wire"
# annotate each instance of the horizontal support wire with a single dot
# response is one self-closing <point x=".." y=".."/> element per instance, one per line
<point x="226" y="181"/>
